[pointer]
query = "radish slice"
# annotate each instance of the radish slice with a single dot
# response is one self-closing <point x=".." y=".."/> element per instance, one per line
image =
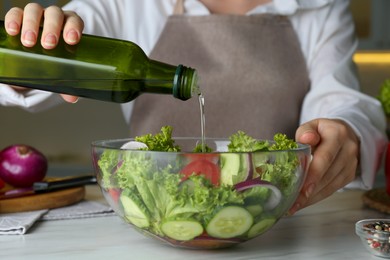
<point x="275" y="197"/>
<point x="134" y="145"/>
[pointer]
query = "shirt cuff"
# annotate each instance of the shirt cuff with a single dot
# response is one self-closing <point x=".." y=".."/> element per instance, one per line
<point x="372" y="147"/>
<point x="30" y="100"/>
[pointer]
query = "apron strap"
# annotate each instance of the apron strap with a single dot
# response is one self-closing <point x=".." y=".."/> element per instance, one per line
<point x="179" y="7"/>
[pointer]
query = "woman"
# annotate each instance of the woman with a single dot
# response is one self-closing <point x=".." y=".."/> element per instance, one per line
<point x="266" y="67"/>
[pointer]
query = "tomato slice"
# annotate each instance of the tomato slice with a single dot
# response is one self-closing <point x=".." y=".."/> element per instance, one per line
<point x="203" y="167"/>
<point x="202" y="156"/>
<point x="114" y="194"/>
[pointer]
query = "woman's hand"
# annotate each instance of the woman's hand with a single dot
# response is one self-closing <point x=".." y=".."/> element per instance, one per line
<point x="335" y="150"/>
<point x="27" y="22"/>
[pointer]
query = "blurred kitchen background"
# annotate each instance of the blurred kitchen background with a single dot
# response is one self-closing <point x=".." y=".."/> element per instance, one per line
<point x="64" y="133"/>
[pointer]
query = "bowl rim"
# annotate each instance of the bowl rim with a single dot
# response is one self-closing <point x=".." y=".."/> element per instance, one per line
<point x="364" y="232"/>
<point x="99" y="144"/>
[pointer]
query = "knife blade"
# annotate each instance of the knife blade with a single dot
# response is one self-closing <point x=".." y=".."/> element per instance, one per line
<point x="47" y="186"/>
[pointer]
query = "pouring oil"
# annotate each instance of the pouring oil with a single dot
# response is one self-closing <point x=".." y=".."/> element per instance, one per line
<point x="202" y="122"/>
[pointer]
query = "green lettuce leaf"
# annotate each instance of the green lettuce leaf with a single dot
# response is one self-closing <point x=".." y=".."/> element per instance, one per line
<point x="161" y="141"/>
<point x="384" y="96"/>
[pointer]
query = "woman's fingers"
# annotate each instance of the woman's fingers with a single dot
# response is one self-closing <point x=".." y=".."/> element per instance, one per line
<point x="73" y="28"/>
<point x="69" y="98"/>
<point x="27" y="22"/>
<point x="56" y="20"/>
<point x="52" y="27"/>
<point x="31" y="21"/>
<point x="53" y="19"/>
<point x="13" y="21"/>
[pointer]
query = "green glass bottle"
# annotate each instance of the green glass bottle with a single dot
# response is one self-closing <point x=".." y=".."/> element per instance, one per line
<point x="98" y="68"/>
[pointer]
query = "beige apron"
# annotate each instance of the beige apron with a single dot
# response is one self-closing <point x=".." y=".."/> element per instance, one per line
<point x="252" y="74"/>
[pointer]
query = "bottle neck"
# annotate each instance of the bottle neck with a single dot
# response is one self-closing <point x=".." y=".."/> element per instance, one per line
<point x="185" y="83"/>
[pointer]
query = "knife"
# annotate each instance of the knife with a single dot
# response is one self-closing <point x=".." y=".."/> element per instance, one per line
<point x="47" y="186"/>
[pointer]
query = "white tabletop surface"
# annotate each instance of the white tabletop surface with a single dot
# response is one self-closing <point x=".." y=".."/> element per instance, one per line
<point x="323" y="231"/>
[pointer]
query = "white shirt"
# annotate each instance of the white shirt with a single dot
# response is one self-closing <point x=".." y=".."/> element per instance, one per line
<point x="324" y="29"/>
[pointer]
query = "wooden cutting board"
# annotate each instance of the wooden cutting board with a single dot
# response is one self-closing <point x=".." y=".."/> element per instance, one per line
<point x="377" y="199"/>
<point x="50" y="200"/>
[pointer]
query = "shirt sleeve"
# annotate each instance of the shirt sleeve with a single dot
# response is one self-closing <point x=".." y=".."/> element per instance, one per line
<point x="329" y="44"/>
<point x="29" y="100"/>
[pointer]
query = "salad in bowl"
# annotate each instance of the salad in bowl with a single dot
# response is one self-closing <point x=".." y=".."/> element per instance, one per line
<point x="195" y="195"/>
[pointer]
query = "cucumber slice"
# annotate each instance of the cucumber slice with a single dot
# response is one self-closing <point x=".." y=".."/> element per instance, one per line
<point x="230" y="165"/>
<point x="134" y="209"/>
<point x="255" y="209"/>
<point x="261" y="226"/>
<point x="229" y="222"/>
<point x="182" y="230"/>
<point x="234" y="168"/>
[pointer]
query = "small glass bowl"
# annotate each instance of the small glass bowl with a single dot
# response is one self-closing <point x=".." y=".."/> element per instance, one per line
<point x="375" y="235"/>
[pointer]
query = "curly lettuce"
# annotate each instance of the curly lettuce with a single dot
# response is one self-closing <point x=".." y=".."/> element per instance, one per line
<point x="241" y="142"/>
<point x="384" y="96"/>
<point x="161" y="141"/>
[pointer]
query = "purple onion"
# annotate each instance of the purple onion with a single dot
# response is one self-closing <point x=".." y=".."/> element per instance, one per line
<point x="273" y="200"/>
<point x="22" y="165"/>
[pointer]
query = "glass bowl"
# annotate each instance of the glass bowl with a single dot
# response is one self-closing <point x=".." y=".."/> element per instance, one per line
<point x="375" y="235"/>
<point x="199" y="200"/>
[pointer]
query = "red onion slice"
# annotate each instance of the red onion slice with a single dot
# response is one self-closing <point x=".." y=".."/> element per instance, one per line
<point x="273" y="200"/>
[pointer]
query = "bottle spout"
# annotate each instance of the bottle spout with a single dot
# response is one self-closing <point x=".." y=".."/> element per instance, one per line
<point x="186" y="83"/>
